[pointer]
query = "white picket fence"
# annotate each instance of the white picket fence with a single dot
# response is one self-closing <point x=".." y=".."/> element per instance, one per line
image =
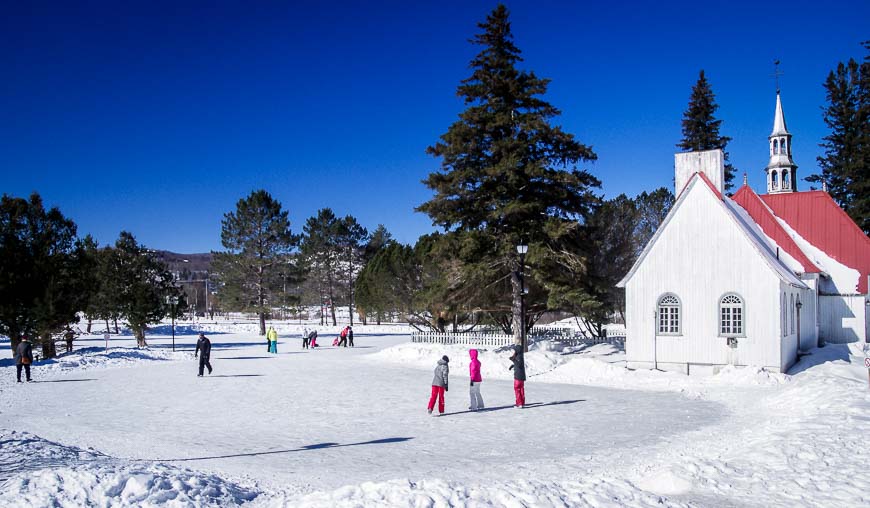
<point x="565" y="336"/>
<point x="463" y="339"/>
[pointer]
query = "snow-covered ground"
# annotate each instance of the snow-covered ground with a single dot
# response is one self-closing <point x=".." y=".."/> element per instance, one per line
<point x="348" y="427"/>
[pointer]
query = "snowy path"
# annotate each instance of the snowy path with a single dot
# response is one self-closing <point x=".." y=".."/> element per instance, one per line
<point x="314" y="420"/>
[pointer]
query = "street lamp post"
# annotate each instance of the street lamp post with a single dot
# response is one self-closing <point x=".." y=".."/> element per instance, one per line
<point x="522" y="249"/>
<point x="172" y="300"/>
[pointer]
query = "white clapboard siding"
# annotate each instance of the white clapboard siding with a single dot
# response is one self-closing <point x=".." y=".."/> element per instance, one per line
<point x="700" y="255"/>
<point x="842" y="318"/>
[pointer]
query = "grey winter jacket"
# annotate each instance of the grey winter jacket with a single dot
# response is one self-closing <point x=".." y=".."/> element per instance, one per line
<point x="442" y="371"/>
<point x="23" y="350"/>
<point x="519" y="366"/>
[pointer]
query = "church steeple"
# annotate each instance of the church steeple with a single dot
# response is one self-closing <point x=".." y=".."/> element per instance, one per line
<point x="781" y="170"/>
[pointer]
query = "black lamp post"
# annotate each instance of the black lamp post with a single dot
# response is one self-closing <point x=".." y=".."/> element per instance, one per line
<point x="172" y="300"/>
<point x="522" y="249"/>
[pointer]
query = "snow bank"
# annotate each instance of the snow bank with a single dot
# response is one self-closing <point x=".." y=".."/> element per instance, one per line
<point x="50" y="474"/>
<point x="439" y="493"/>
<point x="598" y="365"/>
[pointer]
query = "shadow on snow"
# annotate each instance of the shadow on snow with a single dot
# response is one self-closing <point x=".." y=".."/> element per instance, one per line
<point x="317" y="446"/>
<point x="530" y="405"/>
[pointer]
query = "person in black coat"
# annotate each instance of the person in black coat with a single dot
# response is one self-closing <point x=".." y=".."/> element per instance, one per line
<point x="203" y="346"/>
<point x="23" y="357"/>
<point x="350" y="336"/>
<point x="519" y="368"/>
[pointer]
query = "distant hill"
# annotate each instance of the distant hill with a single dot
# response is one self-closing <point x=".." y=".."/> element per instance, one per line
<point x="185" y="263"/>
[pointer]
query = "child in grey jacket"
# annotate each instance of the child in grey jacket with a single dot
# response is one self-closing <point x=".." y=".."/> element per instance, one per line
<point x="439" y="385"/>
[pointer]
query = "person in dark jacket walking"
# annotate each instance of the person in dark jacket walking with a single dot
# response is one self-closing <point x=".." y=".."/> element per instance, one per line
<point x="23" y="357"/>
<point x="350" y="336"/>
<point x="519" y="368"/>
<point x="203" y="350"/>
<point x="439" y="385"/>
<point x="69" y="336"/>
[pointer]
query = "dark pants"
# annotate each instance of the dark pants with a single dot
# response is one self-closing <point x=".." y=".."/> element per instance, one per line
<point x="26" y="369"/>
<point x="203" y="362"/>
<point x="350" y="340"/>
<point x="68" y="346"/>
<point x="305" y="341"/>
<point x="342" y="342"/>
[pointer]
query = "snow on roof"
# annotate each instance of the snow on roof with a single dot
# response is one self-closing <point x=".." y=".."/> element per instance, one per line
<point x="817" y="218"/>
<point x="764" y="217"/>
<point x="845" y="279"/>
<point x="763" y="244"/>
<point x="740" y="218"/>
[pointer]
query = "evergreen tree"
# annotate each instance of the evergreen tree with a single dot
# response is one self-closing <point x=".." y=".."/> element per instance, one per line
<point x="845" y="166"/>
<point x="701" y="128"/>
<point x="258" y="240"/>
<point x="144" y="283"/>
<point x="41" y="286"/>
<point x="350" y="239"/>
<point x="387" y="283"/>
<point x="505" y="170"/>
<point x="652" y="208"/>
<point x="320" y="256"/>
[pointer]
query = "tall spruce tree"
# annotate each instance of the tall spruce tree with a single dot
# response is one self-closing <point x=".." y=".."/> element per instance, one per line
<point x="701" y="128"/>
<point x="845" y="165"/>
<point x="505" y="170"/>
<point x="252" y="271"/>
<point x="351" y="239"/>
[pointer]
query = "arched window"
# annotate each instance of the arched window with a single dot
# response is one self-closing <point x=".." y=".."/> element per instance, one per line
<point x="669" y="315"/>
<point x="775" y="146"/>
<point x="782" y="314"/>
<point x="783" y="147"/>
<point x="786" y="180"/>
<point x="791" y="312"/>
<point x="731" y="316"/>
<point x="774" y="180"/>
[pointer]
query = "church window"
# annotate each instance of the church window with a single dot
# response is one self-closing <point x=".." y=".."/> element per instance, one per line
<point x="791" y="312"/>
<point x="786" y="180"/>
<point x="731" y="317"/>
<point x="669" y="315"/>
<point x="775" y="146"/>
<point x="783" y="314"/>
<point x="783" y="147"/>
<point x="774" y="180"/>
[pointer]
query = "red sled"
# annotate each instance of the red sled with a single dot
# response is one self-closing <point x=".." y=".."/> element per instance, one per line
<point x="336" y="341"/>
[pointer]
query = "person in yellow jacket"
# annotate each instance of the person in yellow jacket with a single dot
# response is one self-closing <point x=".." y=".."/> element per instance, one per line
<point x="272" y="336"/>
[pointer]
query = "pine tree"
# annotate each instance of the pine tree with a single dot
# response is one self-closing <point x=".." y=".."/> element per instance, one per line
<point x="258" y="240"/>
<point x="144" y="282"/>
<point x="351" y="238"/>
<point x="505" y="170"/>
<point x="846" y="163"/>
<point x="41" y="283"/>
<point x="701" y="128"/>
<point x="320" y="256"/>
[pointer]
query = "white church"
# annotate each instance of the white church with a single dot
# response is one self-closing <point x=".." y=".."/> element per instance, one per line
<point x="747" y="279"/>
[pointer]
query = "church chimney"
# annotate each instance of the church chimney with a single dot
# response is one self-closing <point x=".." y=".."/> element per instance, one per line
<point x="709" y="162"/>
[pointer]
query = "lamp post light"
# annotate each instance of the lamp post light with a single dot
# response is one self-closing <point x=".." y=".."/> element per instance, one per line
<point x="522" y="249"/>
<point x="172" y="300"/>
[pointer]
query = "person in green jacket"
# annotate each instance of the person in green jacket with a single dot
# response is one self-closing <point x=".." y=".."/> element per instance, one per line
<point x="272" y="336"/>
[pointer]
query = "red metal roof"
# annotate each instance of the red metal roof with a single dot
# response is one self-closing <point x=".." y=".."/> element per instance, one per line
<point x="761" y="214"/>
<point x="819" y="220"/>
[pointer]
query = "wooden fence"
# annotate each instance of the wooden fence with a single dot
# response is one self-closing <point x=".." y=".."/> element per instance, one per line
<point x="565" y="336"/>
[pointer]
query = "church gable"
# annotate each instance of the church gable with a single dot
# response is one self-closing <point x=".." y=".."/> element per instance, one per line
<point x="704" y="195"/>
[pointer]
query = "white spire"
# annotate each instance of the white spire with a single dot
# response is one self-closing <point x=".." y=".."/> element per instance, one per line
<point x="779" y="128"/>
<point x="781" y="169"/>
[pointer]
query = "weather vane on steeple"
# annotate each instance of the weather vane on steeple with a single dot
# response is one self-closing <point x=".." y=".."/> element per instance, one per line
<point x="776" y="74"/>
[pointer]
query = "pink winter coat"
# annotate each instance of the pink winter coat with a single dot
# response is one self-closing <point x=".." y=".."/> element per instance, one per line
<point x="474" y="366"/>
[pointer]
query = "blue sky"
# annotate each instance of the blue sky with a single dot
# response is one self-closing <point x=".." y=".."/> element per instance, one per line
<point x="156" y="117"/>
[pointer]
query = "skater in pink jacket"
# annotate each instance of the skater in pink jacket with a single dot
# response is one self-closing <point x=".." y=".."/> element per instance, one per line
<point x="474" y="390"/>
